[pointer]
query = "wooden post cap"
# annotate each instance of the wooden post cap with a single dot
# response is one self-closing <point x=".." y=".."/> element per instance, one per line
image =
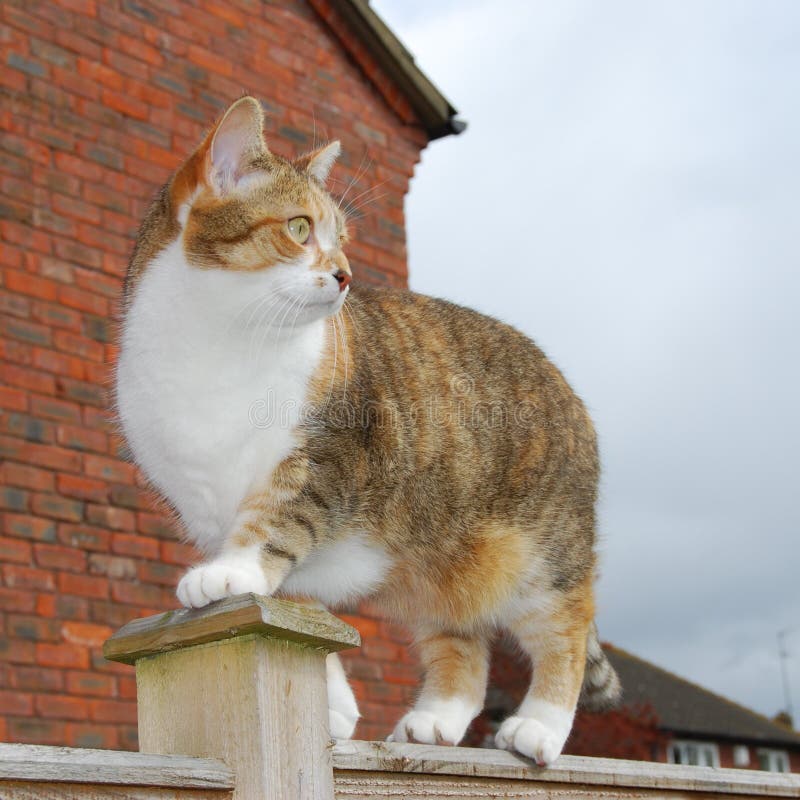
<point x="241" y="615"/>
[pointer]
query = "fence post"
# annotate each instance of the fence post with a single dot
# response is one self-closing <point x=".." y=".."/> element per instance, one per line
<point x="242" y="680"/>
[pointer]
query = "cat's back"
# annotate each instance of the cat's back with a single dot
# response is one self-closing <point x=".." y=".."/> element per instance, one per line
<point x="450" y="348"/>
<point x="457" y="407"/>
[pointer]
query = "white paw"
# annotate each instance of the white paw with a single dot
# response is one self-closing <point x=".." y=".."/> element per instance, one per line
<point x="209" y="582"/>
<point x="531" y="738"/>
<point x="442" y="722"/>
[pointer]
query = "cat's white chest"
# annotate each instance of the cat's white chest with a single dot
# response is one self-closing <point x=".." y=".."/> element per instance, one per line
<point x="209" y="405"/>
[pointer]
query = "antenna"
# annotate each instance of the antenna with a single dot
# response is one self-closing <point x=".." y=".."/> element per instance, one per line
<point x="783" y="655"/>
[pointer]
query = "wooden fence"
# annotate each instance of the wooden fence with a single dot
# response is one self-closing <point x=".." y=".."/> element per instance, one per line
<point x="232" y="704"/>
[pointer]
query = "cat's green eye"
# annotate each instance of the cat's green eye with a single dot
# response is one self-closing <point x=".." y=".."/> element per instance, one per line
<point x="300" y="229"/>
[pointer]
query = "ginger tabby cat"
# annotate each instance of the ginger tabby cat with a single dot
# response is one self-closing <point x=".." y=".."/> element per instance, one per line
<point x="338" y="442"/>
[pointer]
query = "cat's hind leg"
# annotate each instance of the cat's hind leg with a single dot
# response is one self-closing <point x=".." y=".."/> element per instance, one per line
<point x="342" y="707"/>
<point x="456" y="670"/>
<point x="553" y="632"/>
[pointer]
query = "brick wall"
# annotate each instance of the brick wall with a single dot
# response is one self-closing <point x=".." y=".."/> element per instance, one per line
<point x="100" y="102"/>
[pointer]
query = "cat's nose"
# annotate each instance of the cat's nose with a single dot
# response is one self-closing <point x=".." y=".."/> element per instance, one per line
<point x="343" y="278"/>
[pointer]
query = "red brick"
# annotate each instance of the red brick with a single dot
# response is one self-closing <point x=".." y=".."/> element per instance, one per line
<point x="132" y="545"/>
<point x="16" y="704"/>
<point x="12" y="600"/>
<point x="58" y="363"/>
<point x="35" y="731"/>
<point x="92" y="684"/>
<point x="28" y="284"/>
<point x="88" y="537"/>
<point x="62" y="707"/>
<point x="59" y="410"/>
<point x="101" y="73"/>
<point x="126" y="105"/>
<point x="155" y="525"/>
<point x="78" y="345"/>
<point x="141" y="595"/>
<point x="52" y="556"/>
<point x="62" y="606"/>
<point x="30" y="379"/>
<point x="82" y="300"/>
<point x="176" y="553"/>
<point x="17" y="651"/>
<point x="117" y="568"/>
<point x="37" y="679"/>
<point x="56" y="316"/>
<point x="72" y="41"/>
<point x="83" y="585"/>
<point x="78" y="438"/>
<point x="42" y="455"/>
<point x="81" y="168"/>
<point x="82" y="488"/>
<point x="400" y="673"/>
<point x="109" y="469"/>
<point x="21" y="578"/>
<point x="113" y="711"/>
<point x="27" y="527"/>
<point x="118" y="519"/>
<point x="91" y="734"/>
<point x="155" y="572"/>
<point x="86" y="634"/>
<point x="14" y="550"/>
<point x="33" y="628"/>
<point x="12" y="474"/>
<point x="56" y="507"/>
<point x="13" y="399"/>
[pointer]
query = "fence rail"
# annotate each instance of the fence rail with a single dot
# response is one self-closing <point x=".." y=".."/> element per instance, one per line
<point x="232" y="704"/>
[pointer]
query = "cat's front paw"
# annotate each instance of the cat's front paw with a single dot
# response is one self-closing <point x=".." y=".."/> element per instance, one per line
<point x="445" y="722"/>
<point x="206" y="583"/>
<point x="531" y="738"/>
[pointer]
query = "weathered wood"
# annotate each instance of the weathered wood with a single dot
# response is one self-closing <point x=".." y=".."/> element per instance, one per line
<point x="27" y="790"/>
<point x="395" y="785"/>
<point x="258" y="704"/>
<point x="25" y="762"/>
<point x="227" y="619"/>
<point x="395" y="757"/>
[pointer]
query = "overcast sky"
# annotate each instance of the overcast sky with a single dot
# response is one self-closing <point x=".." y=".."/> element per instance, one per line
<point x="627" y="194"/>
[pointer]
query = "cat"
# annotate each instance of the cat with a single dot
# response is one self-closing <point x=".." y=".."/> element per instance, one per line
<point x="339" y="442"/>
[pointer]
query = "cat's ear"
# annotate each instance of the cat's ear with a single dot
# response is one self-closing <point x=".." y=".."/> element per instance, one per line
<point x="319" y="162"/>
<point x="233" y="145"/>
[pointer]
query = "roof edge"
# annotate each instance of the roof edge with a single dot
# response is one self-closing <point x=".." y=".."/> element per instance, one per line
<point x="782" y="735"/>
<point x="434" y="111"/>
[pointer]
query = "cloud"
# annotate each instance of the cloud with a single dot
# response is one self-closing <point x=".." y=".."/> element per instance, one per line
<point x="626" y="194"/>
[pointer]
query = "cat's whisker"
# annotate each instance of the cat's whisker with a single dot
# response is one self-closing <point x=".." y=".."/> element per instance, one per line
<point x="361" y="170"/>
<point x="267" y="323"/>
<point x="374" y="187"/>
<point x="339" y="326"/>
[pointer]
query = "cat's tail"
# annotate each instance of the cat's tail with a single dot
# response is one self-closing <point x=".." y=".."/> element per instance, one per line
<point x="601" y="688"/>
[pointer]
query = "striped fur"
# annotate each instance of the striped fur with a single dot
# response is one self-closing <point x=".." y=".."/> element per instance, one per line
<point x="424" y="455"/>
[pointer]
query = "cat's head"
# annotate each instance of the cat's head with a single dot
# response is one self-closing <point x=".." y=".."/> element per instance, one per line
<point x="258" y="222"/>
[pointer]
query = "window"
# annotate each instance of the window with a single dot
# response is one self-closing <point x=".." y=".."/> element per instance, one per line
<point x="741" y="755"/>
<point x="773" y="760"/>
<point x="696" y="754"/>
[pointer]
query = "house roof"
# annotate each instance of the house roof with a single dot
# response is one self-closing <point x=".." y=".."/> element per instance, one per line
<point x="687" y="709"/>
<point x="390" y="66"/>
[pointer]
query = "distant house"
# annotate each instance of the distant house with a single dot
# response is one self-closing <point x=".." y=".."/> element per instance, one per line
<point x="700" y="727"/>
<point x="662" y="718"/>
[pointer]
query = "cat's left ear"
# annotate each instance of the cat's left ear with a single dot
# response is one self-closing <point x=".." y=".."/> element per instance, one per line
<point x="319" y="162"/>
<point x="234" y="144"/>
